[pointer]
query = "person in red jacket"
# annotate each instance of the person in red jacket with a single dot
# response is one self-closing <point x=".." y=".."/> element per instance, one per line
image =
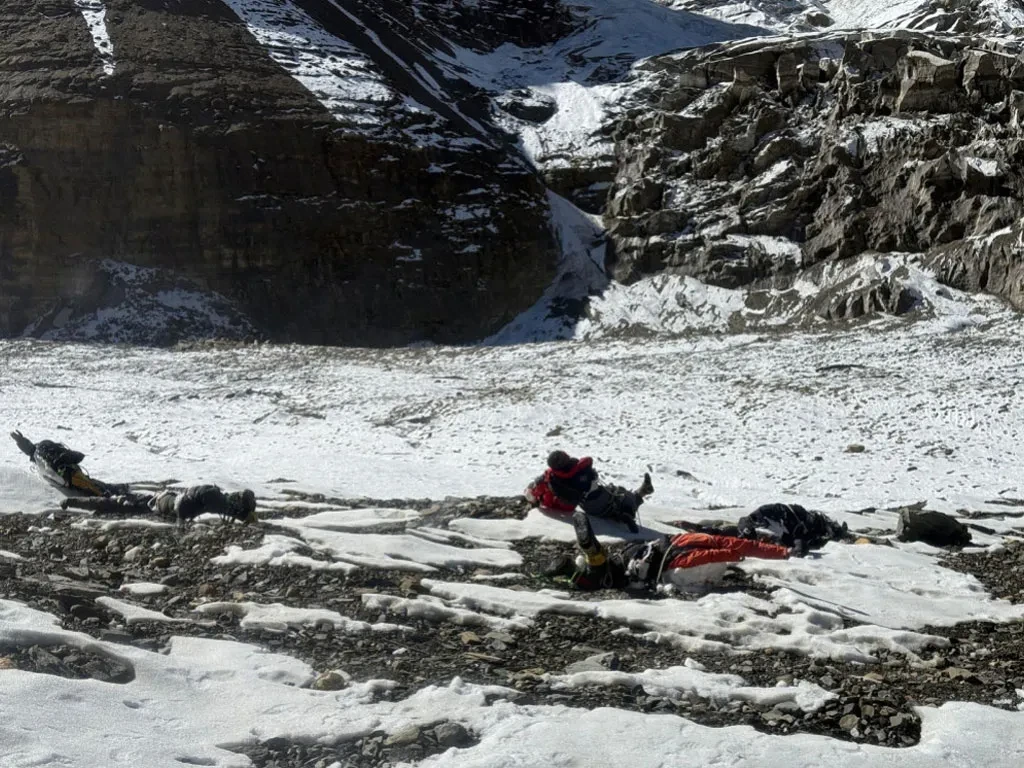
<point x="643" y="565"/>
<point x="568" y="483"/>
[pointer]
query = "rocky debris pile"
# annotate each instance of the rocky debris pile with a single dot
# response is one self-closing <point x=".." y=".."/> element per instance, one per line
<point x="70" y="570"/>
<point x="762" y="163"/>
<point x="379" y="748"/>
<point x="1000" y="571"/>
<point x="433" y="512"/>
<point x="126" y="304"/>
<point x="64" y="661"/>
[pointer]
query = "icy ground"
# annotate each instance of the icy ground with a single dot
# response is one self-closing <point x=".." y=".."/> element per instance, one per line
<point x="723" y="423"/>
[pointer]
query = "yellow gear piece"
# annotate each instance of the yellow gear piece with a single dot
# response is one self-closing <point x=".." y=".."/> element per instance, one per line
<point x="596" y="559"/>
<point x="83" y="482"/>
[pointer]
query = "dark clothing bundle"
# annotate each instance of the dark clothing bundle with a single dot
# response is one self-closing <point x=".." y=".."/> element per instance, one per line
<point x="641" y="565"/>
<point x="183" y="507"/>
<point x="60" y="466"/>
<point x="792" y="526"/>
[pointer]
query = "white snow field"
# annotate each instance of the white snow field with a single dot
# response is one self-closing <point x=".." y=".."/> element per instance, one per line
<point x="723" y="422"/>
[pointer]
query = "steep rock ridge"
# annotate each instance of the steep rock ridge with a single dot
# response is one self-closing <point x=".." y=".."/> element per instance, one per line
<point x="484" y="25"/>
<point x="561" y="100"/>
<point x="267" y="150"/>
<point x="745" y="164"/>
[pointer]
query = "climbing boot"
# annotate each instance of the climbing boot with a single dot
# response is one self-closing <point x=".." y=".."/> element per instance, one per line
<point x="646" y="487"/>
<point x="587" y="541"/>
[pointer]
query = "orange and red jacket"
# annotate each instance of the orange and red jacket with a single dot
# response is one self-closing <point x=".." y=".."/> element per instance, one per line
<point x="687" y="550"/>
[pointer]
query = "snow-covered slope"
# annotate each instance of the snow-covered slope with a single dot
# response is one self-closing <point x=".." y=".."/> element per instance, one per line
<point x="134" y="305"/>
<point x="724" y="420"/>
<point x="723" y="424"/>
<point x="577" y="75"/>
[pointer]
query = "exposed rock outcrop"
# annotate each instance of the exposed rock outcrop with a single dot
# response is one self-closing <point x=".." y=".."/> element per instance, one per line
<point x="487" y="24"/>
<point x="291" y="156"/>
<point x="380" y="171"/>
<point x="746" y="164"/>
<point x="994" y="263"/>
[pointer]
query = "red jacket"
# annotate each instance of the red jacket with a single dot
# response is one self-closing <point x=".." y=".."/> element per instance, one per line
<point x="692" y="549"/>
<point x="574" y="483"/>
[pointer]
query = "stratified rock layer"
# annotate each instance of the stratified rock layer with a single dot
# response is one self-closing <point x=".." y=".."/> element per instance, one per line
<point x="376" y="211"/>
<point x="747" y="164"/>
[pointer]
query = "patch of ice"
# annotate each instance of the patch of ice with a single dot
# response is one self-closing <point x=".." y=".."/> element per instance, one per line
<point x="399" y="551"/>
<point x="353" y="519"/>
<point x="280" y="552"/>
<point x="498" y="577"/>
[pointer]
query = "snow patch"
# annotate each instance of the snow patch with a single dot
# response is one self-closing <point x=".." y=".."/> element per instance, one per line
<point x="677" y="683"/>
<point x="341" y="77"/>
<point x="133" y="614"/>
<point x="275" y="617"/>
<point x="580" y="273"/>
<point x="95" y="14"/>
<point x="143" y="588"/>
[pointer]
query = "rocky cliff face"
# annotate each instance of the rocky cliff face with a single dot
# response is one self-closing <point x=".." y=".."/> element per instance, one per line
<point x="257" y="149"/>
<point x="389" y="171"/>
<point x="484" y="25"/>
<point x="749" y="164"/>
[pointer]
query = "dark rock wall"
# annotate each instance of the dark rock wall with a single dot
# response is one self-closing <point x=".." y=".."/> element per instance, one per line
<point x="842" y="144"/>
<point x="487" y="24"/>
<point x="201" y="154"/>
